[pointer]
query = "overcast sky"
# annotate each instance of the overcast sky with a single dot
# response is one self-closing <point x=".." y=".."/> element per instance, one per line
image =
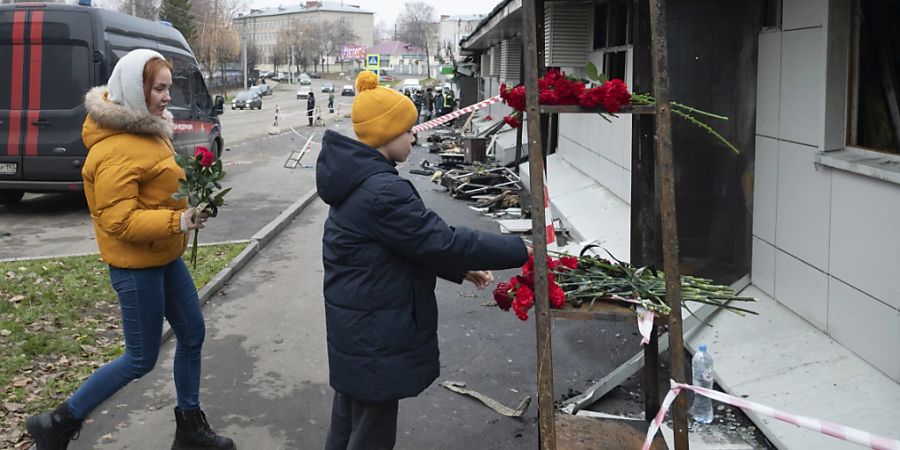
<point x="387" y="10"/>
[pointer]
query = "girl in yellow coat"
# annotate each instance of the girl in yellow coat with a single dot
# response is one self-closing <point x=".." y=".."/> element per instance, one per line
<point x="129" y="177"/>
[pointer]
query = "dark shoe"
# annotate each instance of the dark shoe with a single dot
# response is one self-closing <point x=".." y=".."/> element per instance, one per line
<point x="193" y="433"/>
<point x="54" y="430"/>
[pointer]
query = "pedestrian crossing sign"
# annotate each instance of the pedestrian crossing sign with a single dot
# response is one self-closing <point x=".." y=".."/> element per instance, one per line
<point x="373" y="60"/>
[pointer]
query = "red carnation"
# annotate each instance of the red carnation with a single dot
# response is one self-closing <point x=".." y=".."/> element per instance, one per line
<point x="617" y="95"/>
<point x="206" y="157"/>
<point x="592" y="97"/>
<point x="515" y="98"/>
<point x="523" y="302"/>
<point x="503" y="91"/>
<point x="502" y="296"/>
<point x="569" y="262"/>
<point x="557" y="296"/>
<point x="513" y="122"/>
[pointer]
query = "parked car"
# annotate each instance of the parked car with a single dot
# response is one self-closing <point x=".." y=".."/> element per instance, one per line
<point x="262" y="89"/>
<point x="305" y="80"/>
<point x="315" y="75"/>
<point x="348" y="91"/>
<point x="74" y="55"/>
<point x="247" y="99"/>
<point x="304" y="92"/>
<point x="328" y="87"/>
<point x="279" y="77"/>
<point x="268" y="75"/>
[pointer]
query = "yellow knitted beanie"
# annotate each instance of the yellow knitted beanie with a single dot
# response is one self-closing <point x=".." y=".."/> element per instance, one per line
<point x="380" y="114"/>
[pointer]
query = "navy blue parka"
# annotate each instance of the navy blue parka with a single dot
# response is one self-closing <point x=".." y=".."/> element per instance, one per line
<point x="382" y="251"/>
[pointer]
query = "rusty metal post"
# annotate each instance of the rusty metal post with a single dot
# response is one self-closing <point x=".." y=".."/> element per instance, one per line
<point x="664" y="159"/>
<point x="543" y="321"/>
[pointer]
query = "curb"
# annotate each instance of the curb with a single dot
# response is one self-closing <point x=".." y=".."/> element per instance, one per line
<point x="257" y="243"/>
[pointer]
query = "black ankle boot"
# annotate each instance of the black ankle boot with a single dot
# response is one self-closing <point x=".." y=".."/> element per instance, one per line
<point x="54" y="430"/>
<point x="193" y="433"/>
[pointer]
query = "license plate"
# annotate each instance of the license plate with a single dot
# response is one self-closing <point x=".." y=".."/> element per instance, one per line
<point x="8" y="168"/>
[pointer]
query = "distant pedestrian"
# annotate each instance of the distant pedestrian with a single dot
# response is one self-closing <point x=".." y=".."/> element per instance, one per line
<point x="438" y="104"/>
<point x="277" y="113"/>
<point x="429" y="103"/>
<point x="449" y="101"/>
<point x="310" y="107"/>
<point x="331" y="102"/>
<point x="418" y="100"/>
<point x="129" y="177"/>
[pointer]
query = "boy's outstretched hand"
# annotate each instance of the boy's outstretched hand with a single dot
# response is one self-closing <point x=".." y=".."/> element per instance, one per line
<point x="480" y="278"/>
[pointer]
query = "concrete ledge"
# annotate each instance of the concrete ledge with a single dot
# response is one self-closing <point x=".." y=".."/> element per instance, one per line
<point x="257" y="243"/>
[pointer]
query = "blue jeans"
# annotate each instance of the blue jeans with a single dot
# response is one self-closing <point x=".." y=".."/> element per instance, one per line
<point x="145" y="297"/>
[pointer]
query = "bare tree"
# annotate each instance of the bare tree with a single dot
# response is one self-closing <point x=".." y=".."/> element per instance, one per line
<point x="416" y="26"/>
<point x="383" y="31"/>
<point x="337" y="34"/>
<point x="215" y="43"/>
<point x="253" y="55"/>
<point x="281" y="53"/>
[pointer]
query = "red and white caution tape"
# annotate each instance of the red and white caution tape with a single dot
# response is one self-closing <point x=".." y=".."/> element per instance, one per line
<point x="548" y="218"/>
<point x="450" y="116"/>
<point x="831" y="429"/>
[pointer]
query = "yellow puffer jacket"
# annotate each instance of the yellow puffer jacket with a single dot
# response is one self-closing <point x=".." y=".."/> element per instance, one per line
<point x="129" y="176"/>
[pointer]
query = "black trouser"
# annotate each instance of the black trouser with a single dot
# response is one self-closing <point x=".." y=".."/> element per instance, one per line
<point x="359" y="425"/>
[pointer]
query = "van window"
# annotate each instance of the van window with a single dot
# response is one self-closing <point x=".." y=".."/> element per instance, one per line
<point x="181" y="82"/>
<point x="65" y="92"/>
<point x="201" y="95"/>
<point x="65" y="61"/>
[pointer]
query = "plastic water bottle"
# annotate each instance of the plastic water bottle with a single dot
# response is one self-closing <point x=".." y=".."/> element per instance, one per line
<point x="702" y="364"/>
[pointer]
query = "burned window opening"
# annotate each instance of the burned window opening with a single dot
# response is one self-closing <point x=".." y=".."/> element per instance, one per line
<point x="875" y="104"/>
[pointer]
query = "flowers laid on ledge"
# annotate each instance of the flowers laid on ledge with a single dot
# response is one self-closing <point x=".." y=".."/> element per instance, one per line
<point x="558" y="88"/>
<point x="577" y="280"/>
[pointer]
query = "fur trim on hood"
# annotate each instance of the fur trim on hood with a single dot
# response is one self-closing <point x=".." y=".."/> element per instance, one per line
<point x="111" y="115"/>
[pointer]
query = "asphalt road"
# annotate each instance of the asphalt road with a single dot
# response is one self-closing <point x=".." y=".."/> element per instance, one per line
<point x="45" y="225"/>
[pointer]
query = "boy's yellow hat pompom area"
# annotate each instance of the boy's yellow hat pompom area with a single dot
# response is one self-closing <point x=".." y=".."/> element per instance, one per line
<point x="380" y="114"/>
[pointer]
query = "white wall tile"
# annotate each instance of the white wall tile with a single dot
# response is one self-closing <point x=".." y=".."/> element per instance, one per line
<point x="865" y="326"/>
<point x="804" y="13"/>
<point x="801" y="112"/>
<point x="765" y="188"/>
<point x="802" y="288"/>
<point x="768" y="83"/>
<point x="865" y="243"/>
<point x="763" y="267"/>
<point x="804" y="200"/>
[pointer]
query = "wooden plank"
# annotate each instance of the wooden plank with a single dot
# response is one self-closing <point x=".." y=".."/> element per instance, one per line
<point x="543" y="321"/>
<point x="575" y="109"/>
<point x="601" y="310"/>
<point x="665" y="164"/>
<point x="591" y="433"/>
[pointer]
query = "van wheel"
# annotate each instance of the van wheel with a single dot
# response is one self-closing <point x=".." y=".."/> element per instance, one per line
<point x="215" y="150"/>
<point x="10" y="197"/>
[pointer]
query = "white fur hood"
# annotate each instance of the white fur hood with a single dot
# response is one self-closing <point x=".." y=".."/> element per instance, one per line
<point x="120" y="105"/>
